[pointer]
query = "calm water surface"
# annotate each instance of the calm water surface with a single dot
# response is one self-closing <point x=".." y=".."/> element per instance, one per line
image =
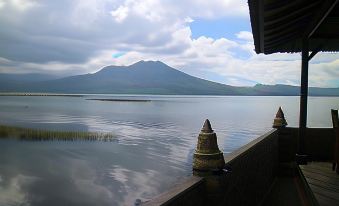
<point x="151" y="152"/>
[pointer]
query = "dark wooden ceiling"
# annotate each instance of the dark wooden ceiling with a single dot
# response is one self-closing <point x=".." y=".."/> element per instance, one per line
<point x="282" y="25"/>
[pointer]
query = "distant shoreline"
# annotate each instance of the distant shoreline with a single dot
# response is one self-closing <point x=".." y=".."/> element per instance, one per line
<point x="122" y="100"/>
<point x="133" y="94"/>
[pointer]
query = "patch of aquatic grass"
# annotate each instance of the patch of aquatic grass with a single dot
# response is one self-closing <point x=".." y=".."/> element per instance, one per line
<point x="40" y="134"/>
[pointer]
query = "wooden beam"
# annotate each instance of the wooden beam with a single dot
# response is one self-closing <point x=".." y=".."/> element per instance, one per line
<point x="304" y="84"/>
<point x="261" y="25"/>
<point x="323" y="14"/>
<point x="303" y="97"/>
<point x="273" y="28"/>
<point x="280" y="5"/>
<point x="279" y="40"/>
<point x="254" y="13"/>
<point x="313" y="54"/>
<point x="290" y="13"/>
<point x="284" y="33"/>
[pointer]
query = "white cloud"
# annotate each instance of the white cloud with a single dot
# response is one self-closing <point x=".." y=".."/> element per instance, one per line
<point x="120" y="13"/>
<point x="245" y="35"/>
<point x="2" y="3"/>
<point x="189" y="20"/>
<point x="12" y="194"/>
<point x="20" y="5"/>
<point x="79" y="37"/>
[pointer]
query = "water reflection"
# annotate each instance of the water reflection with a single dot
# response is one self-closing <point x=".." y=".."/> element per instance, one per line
<point x="153" y="149"/>
<point x="81" y="173"/>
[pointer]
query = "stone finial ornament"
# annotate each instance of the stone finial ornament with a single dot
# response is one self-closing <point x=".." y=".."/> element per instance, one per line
<point x="207" y="128"/>
<point x="207" y="156"/>
<point x="279" y="120"/>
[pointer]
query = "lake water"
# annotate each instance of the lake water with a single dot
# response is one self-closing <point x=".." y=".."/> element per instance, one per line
<point x="152" y="150"/>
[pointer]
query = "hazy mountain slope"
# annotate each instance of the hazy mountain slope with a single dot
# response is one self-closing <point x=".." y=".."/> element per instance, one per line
<point x="31" y="77"/>
<point x="287" y="90"/>
<point x="14" y="82"/>
<point x="144" y="77"/>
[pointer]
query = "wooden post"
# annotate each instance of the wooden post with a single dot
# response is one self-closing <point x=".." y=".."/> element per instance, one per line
<point x="303" y="101"/>
<point x="335" y="121"/>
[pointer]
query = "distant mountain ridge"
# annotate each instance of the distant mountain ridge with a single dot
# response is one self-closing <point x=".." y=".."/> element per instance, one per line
<point x="144" y="77"/>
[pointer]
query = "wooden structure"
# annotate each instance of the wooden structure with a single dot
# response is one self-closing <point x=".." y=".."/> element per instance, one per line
<point x="335" y="120"/>
<point x="323" y="183"/>
<point x="264" y="172"/>
<point x="296" y="26"/>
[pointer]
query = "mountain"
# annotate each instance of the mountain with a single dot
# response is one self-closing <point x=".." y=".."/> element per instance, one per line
<point x="16" y="82"/>
<point x="287" y="90"/>
<point x="30" y="77"/>
<point x="144" y="77"/>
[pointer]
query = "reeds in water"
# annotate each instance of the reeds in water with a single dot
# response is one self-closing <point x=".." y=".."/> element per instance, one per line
<point x="40" y="134"/>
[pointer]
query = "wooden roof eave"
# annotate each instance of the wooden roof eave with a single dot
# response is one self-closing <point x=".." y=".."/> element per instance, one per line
<point x="281" y="31"/>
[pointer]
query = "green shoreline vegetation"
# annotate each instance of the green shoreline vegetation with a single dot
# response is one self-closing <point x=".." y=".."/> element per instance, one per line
<point x="22" y="133"/>
<point x="40" y="94"/>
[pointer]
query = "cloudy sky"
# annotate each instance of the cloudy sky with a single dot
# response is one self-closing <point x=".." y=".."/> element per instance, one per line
<point x="209" y="39"/>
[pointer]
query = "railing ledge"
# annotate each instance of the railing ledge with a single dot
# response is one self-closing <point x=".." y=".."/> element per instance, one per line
<point x="176" y="192"/>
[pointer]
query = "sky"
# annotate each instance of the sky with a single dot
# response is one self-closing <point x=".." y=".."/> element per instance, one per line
<point x="208" y="39"/>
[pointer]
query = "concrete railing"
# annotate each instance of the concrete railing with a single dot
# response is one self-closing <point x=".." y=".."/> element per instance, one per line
<point x="245" y="182"/>
<point x="252" y="170"/>
<point x="190" y="192"/>
<point x="248" y="173"/>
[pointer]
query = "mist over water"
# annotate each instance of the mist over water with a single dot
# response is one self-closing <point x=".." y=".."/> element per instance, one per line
<point x="152" y="150"/>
